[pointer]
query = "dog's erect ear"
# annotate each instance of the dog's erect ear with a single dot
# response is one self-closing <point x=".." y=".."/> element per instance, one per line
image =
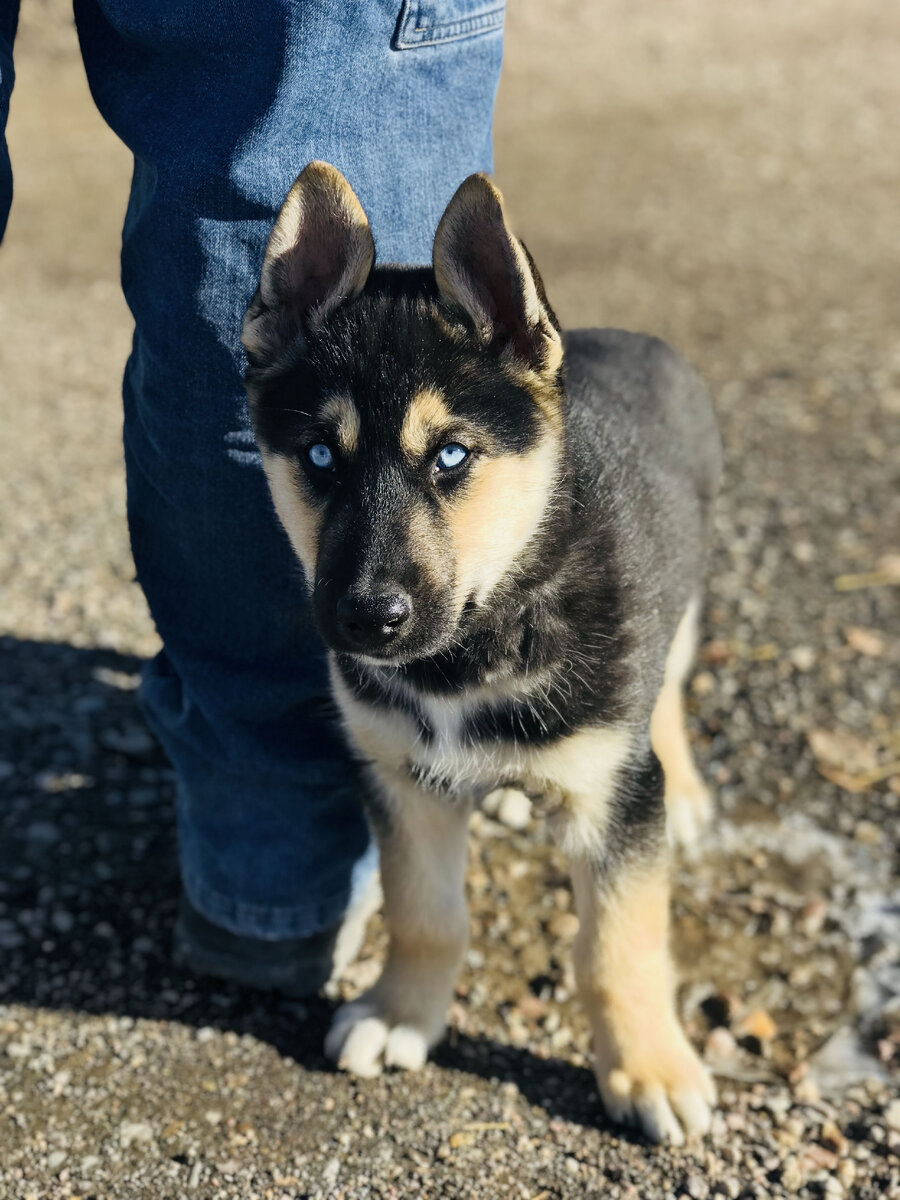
<point x="481" y="268"/>
<point x="320" y="253"/>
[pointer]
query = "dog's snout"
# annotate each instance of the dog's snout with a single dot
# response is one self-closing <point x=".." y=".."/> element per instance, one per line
<point x="371" y="621"/>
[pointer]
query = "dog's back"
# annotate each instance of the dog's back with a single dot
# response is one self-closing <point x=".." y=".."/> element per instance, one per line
<point x="647" y="458"/>
<point x="633" y="397"/>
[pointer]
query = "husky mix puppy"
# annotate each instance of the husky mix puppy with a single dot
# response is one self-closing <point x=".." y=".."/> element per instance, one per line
<point x="502" y="529"/>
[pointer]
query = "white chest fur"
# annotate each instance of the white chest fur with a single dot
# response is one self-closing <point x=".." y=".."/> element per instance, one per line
<point x="434" y="747"/>
<point x="579" y="769"/>
<point x="450" y="760"/>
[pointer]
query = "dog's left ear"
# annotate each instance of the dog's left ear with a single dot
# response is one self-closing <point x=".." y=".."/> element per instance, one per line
<point x="484" y="270"/>
<point x="319" y="254"/>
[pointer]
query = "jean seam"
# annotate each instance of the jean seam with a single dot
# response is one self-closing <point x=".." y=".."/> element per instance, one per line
<point x="450" y="31"/>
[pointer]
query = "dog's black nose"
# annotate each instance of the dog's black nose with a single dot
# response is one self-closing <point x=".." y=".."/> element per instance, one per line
<point x="369" y="622"/>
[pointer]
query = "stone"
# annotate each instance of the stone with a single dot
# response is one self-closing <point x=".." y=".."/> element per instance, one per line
<point x="720" y="1043"/>
<point x="758" y="1024"/>
<point x="791" y="1174"/>
<point x="563" y="925"/>
<point x="514" y="810"/>
<point x="134" y="1133"/>
<point x="832" y="1138"/>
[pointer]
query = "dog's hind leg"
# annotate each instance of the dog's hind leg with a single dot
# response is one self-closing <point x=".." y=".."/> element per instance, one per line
<point x="422" y="840"/>
<point x="688" y="803"/>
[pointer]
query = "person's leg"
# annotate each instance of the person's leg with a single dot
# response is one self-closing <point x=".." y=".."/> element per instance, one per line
<point x="222" y="105"/>
<point x="9" y="18"/>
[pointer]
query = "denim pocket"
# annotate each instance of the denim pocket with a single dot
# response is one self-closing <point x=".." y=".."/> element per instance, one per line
<point x="431" y="22"/>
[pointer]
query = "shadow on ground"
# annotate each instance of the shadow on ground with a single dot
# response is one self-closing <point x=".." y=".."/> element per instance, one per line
<point x="89" y="880"/>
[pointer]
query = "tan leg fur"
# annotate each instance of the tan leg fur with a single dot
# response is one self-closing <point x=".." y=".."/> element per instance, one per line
<point x="647" y="1071"/>
<point x="423" y="860"/>
<point x="688" y="803"/>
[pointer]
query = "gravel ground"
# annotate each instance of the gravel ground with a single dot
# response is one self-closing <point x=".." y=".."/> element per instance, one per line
<point x="727" y="177"/>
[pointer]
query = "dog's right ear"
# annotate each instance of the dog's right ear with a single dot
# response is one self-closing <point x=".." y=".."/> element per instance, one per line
<point x="319" y="254"/>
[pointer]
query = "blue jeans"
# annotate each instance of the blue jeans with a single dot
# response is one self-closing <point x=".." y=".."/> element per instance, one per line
<point x="222" y="103"/>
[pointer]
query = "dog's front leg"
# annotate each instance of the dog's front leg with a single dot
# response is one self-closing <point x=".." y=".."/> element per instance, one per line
<point x="422" y="840"/>
<point x="647" y="1071"/>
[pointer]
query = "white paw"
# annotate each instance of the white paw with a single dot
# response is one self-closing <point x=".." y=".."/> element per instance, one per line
<point x="362" y="1041"/>
<point x="668" y="1101"/>
<point x="660" y="1115"/>
<point x="406" y="1049"/>
<point x="509" y="806"/>
<point x="688" y="814"/>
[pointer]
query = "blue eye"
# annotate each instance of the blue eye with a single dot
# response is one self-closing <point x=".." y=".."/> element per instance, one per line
<point x="453" y="455"/>
<point x="320" y="456"/>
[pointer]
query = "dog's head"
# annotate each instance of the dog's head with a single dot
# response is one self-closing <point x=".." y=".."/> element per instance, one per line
<point x="409" y="420"/>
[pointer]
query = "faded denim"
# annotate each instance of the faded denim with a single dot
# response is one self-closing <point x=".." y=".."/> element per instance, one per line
<point x="222" y="103"/>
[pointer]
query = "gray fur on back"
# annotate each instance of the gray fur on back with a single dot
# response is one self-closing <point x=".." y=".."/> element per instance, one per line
<point x="645" y="445"/>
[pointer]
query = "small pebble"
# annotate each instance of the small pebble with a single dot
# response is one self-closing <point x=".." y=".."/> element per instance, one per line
<point x="791" y="1174"/>
<point x="720" y="1043"/>
<point x="803" y="658"/>
<point x="868" y="833"/>
<point x="758" y="1024"/>
<point x="833" y="1138"/>
<point x="134" y="1132"/>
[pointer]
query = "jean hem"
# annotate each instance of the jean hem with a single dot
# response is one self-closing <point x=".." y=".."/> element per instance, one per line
<point x="265" y="922"/>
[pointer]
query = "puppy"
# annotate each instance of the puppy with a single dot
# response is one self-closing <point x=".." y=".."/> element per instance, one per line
<point x="503" y="531"/>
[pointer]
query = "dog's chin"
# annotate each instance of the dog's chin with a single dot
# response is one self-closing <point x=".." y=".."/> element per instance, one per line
<point x="403" y="654"/>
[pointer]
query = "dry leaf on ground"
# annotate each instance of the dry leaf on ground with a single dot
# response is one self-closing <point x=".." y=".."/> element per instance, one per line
<point x="842" y="750"/>
<point x="865" y="641"/>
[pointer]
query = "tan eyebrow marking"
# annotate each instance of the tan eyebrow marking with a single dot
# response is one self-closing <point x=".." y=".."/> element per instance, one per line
<point x="427" y="415"/>
<point x="341" y="412"/>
